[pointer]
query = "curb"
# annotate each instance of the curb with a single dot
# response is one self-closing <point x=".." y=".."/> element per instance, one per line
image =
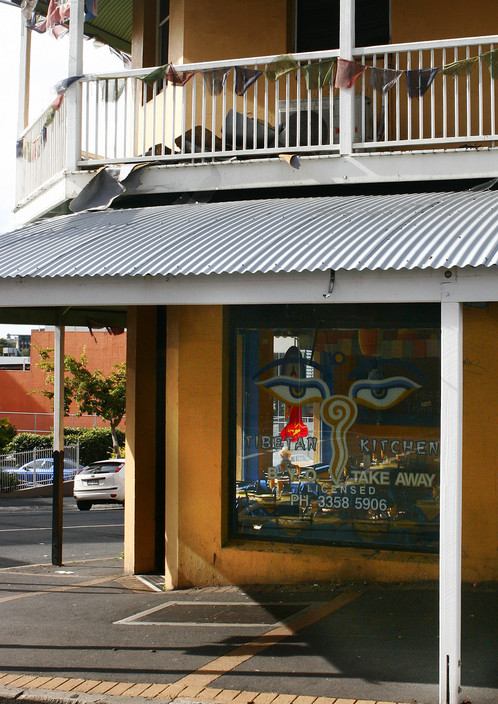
<point x="47" y="696"/>
<point x="8" y="695"/>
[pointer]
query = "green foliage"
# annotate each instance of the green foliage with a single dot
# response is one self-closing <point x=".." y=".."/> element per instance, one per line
<point x="8" y="482"/>
<point x="24" y="442"/>
<point x="95" y="443"/>
<point x="47" y="364"/>
<point x="7" y="433"/>
<point x="93" y="392"/>
<point x="6" y="343"/>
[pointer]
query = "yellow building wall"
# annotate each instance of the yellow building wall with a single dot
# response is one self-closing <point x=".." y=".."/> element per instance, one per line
<point x="207" y="556"/>
<point x="480" y="447"/>
<point x="214" y="30"/>
<point x="425" y="20"/>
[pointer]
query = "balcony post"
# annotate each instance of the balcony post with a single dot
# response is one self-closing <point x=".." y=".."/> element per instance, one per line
<point x="24" y="71"/>
<point x="346" y="95"/>
<point x="73" y="95"/>
<point x="450" y="549"/>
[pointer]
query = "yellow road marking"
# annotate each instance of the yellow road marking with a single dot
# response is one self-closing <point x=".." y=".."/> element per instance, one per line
<point x="225" y="663"/>
<point x="65" y="588"/>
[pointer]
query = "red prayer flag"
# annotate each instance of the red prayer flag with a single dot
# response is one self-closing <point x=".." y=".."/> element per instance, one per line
<point x="347" y="73"/>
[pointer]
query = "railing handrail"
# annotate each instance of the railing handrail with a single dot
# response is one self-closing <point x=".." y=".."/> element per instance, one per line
<point x="425" y="45"/>
<point x="303" y="56"/>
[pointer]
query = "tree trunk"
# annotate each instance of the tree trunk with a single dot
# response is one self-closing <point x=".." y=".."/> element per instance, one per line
<point x="115" y="443"/>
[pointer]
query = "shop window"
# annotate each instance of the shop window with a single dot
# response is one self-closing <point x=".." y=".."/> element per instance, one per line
<point x="335" y="436"/>
<point x="317" y="24"/>
<point x="163" y="31"/>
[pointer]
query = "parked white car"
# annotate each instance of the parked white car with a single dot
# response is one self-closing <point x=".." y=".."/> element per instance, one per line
<point x="100" y="483"/>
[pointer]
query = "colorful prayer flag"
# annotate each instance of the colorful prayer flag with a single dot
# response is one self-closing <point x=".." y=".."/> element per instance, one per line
<point x="216" y="79"/>
<point x="280" y="67"/>
<point x="347" y="73"/>
<point x="463" y="67"/>
<point x="383" y="79"/>
<point x="419" y="80"/>
<point x="318" y="74"/>
<point x="90" y="9"/>
<point x="169" y="72"/>
<point x="244" y="78"/>
<point x="490" y="58"/>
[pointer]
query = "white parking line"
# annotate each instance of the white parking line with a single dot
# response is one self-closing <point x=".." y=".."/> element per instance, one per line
<point x="20" y="530"/>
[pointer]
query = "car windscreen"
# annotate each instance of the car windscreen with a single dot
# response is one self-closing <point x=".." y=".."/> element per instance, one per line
<point x="106" y="468"/>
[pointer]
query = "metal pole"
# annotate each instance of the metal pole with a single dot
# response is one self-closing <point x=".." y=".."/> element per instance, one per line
<point x="450" y="532"/>
<point x="58" y="453"/>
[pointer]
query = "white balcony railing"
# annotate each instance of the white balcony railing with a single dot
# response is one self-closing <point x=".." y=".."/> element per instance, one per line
<point x="210" y="117"/>
<point x="41" y="152"/>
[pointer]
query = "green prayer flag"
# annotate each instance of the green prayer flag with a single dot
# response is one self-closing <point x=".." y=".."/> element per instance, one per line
<point x="460" y="68"/>
<point x="490" y="58"/>
<point x="318" y="75"/>
<point x="158" y="74"/>
<point x="280" y="66"/>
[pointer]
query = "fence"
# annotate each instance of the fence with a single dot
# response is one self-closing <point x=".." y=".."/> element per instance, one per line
<point x="24" y="470"/>
<point x="41" y="423"/>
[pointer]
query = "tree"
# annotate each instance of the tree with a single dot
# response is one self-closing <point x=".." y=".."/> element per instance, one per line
<point x="93" y="392"/>
<point x="7" y="432"/>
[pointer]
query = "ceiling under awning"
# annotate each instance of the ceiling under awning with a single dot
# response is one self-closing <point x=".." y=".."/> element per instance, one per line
<point x="360" y="232"/>
<point x="112" y="24"/>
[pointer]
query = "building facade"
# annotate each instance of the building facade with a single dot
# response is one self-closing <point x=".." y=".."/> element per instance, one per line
<point x="294" y="203"/>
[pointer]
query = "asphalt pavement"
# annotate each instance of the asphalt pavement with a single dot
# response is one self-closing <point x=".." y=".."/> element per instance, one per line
<point x="87" y="632"/>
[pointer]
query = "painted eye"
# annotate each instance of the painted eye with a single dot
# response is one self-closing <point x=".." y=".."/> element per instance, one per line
<point x="296" y="392"/>
<point x="382" y="393"/>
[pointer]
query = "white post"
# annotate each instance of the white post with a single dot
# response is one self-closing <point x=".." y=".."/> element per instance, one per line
<point x="450" y="540"/>
<point x="346" y="95"/>
<point x="73" y="95"/>
<point x="24" y="73"/>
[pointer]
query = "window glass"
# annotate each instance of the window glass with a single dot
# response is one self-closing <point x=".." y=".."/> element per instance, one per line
<point x="163" y="26"/>
<point x="317" y="24"/>
<point x="336" y="438"/>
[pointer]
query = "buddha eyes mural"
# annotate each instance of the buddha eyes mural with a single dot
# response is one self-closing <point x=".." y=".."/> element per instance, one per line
<point x="382" y="394"/>
<point x="339" y="412"/>
<point x="296" y="392"/>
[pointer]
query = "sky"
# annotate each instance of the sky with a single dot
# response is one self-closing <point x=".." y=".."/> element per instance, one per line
<point x="49" y="62"/>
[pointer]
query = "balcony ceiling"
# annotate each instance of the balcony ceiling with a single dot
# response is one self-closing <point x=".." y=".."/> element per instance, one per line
<point x="380" y="232"/>
<point x="112" y="24"/>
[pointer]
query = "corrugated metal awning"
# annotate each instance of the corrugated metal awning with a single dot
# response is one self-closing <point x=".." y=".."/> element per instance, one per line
<point x="375" y="232"/>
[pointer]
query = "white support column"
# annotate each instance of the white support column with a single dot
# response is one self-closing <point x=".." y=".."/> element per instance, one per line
<point x="346" y="96"/>
<point x="24" y="74"/>
<point x="450" y="540"/>
<point x="73" y="95"/>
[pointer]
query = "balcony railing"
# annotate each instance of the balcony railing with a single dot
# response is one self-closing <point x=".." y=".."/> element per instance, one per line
<point x="253" y="108"/>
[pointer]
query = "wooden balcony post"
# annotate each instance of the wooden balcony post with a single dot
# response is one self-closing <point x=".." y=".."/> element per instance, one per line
<point x="450" y="548"/>
<point x="346" y="96"/>
<point x="73" y="95"/>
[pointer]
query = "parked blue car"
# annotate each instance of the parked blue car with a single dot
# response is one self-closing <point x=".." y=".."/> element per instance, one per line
<point x="41" y="471"/>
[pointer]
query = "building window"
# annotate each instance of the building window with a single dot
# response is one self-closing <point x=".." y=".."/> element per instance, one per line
<point x="336" y="437"/>
<point x="317" y="24"/>
<point x="163" y="31"/>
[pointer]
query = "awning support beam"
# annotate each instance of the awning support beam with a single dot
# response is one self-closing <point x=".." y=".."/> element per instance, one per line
<point x="58" y="446"/>
<point x="450" y="555"/>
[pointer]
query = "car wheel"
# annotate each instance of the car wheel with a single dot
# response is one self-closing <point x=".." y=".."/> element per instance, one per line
<point x="84" y="505"/>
